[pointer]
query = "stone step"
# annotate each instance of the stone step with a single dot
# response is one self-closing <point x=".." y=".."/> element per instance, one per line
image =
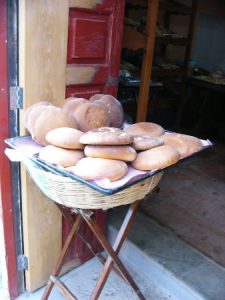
<point x="168" y="261"/>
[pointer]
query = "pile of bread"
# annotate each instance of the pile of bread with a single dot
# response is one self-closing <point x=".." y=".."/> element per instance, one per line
<point x="85" y="136"/>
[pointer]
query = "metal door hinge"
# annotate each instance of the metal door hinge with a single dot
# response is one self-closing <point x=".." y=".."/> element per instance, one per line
<point x="22" y="262"/>
<point x="16" y="97"/>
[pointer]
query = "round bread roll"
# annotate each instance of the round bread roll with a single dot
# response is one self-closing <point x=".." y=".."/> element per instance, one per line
<point x="141" y="143"/>
<point x="90" y="116"/>
<point x="52" y="117"/>
<point x="106" y="136"/>
<point x="125" y="153"/>
<point x="30" y="108"/>
<point x="59" y="156"/>
<point x="185" y="144"/>
<point x="91" y="168"/>
<point x="71" y="105"/>
<point x="71" y="98"/>
<point x="114" y="108"/>
<point x="145" y="128"/>
<point x="33" y="116"/>
<point x="156" y="158"/>
<point x="96" y="97"/>
<point x="65" y="137"/>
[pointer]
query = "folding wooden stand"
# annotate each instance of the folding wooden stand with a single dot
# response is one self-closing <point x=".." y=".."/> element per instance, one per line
<point x="112" y="261"/>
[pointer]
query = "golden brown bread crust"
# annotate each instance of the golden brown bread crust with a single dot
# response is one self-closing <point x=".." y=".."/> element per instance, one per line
<point x="71" y="105"/>
<point x="33" y="116"/>
<point x="185" y="144"/>
<point x="145" y="128"/>
<point x="96" y="97"/>
<point x="90" y="116"/>
<point x="114" y="108"/>
<point x="59" y="156"/>
<point x="125" y="153"/>
<point x="30" y="108"/>
<point x="52" y="117"/>
<point x="70" y="98"/>
<point x="90" y="168"/>
<point x="142" y="143"/>
<point x="106" y="136"/>
<point x="156" y="158"/>
<point x="65" y="137"/>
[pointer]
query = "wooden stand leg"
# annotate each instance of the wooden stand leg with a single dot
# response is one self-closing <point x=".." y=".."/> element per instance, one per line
<point x="108" y="263"/>
<point x="59" y="263"/>
<point x="113" y="251"/>
<point x="69" y="217"/>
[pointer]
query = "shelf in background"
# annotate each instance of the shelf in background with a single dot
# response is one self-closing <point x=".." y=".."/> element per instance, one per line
<point x="132" y="39"/>
<point x="175" y="8"/>
<point x="157" y="71"/>
<point x="181" y="41"/>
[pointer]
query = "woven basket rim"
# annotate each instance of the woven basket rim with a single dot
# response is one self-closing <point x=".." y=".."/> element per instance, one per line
<point x="74" y="194"/>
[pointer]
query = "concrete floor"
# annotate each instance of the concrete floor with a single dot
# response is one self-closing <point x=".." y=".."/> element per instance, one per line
<point x="191" y="202"/>
<point x="82" y="280"/>
<point x="163" y="266"/>
<point x="169" y="261"/>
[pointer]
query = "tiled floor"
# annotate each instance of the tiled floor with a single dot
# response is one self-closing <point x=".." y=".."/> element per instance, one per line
<point x="191" y="202"/>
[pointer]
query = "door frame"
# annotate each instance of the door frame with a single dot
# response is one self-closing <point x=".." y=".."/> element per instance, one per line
<point x="13" y="80"/>
<point x="6" y="194"/>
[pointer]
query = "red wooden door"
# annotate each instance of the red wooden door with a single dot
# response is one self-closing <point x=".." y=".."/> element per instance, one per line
<point x="6" y="199"/>
<point x="93" y="59"/>
<point x="94" y="48"/>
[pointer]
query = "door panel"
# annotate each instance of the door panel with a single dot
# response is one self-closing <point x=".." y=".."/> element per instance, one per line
<point x="86" y="75"/>
<point x="99" y="5"/>
<point x="94" y="47"/>
<point x="84" y="91"/>
<point x="43" y="50"/>
<point x="88" y="38"/>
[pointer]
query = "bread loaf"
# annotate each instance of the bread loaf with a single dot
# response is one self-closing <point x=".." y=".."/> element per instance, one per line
<point x="96" y="97"/>
<point x="29" y="109"/>
<point x="185" y="144"/>
<point x="71" y="105"/>
<point x="156" y="158"/>
<point x="33" y="116"/>
<point x="106" y="136"/>
<point x="52" y="117"/>
<point x="114" y="108"/>
<point x="145" y="128"/>
<point x="90" y="168"/>
<point x="90" y="116"/>
<point x="65" y="137"/>
<point x="125" y="153"/>
<point x="146" y="142"/>
<point x="59" y="156"/>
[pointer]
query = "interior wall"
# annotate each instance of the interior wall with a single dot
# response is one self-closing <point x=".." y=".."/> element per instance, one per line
<point x="209" y="49"/>
<point x="208" y="46"/>
<point x="215" y="7"/>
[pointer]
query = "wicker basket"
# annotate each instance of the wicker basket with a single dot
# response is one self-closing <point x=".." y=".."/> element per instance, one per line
<point x="73" y="194"/>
